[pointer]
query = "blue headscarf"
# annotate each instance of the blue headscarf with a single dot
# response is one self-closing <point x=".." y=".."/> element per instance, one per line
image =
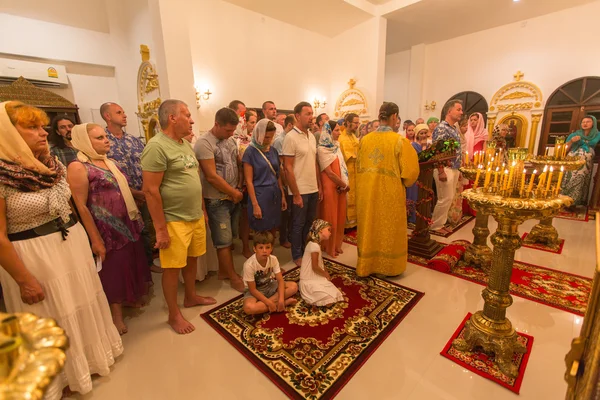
<point x="589" y="142"/>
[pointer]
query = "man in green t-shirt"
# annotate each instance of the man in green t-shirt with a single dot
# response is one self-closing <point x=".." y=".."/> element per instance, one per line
<point x="174" y="197"/>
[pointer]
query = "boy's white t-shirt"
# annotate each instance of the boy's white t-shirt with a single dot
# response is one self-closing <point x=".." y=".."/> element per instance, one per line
<point x="261" y="276"/>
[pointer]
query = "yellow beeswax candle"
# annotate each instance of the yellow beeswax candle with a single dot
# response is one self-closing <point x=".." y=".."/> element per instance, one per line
<point x="560" y="178"/>
<point x="531" y="182"/>
<point x="542" y="180"/>
<point x="522" y="182"/>
<point x="488" y="176"/>
<point x="549" y="181"/>
<point x="496" y="177"/>
<point x="477" y="177"/>
<point x="505" y="180"/>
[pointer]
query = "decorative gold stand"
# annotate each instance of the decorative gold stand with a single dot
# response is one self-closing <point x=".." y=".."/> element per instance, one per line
<point x="490" y="329"/>
<point x="478" y="253"/>
<point x="32" y="353"/>
<point x="545" y="233"/>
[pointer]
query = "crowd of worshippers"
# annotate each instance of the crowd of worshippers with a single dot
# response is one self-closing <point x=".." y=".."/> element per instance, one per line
<point x="84" y="209"/>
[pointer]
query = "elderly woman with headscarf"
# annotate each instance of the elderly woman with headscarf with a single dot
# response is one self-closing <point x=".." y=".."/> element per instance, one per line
<point x="335" y="184"/>
<point x="112" y="220"/>
<point x="266" y="198"/>
<point x="432" y="123"/>
<point x="47" y="265"/>
<point x="581" y="143"/>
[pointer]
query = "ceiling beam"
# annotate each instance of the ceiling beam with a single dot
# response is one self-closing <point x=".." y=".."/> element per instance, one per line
<point x="394" y="5"/>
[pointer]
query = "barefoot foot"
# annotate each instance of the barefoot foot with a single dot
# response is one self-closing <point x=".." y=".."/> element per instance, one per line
<point x="238" y="284"/>
<point x="181" y="325"/>
<point x="120" y="325"/>
<point x="290" y="302"/>
<point x="156" y="269"/>
<point x="339" y="251"/>
<point x="198" y="301"/>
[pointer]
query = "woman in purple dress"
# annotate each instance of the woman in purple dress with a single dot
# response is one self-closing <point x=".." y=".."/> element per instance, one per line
<point x="261" y="171"/>
<point x="111" y="219"/>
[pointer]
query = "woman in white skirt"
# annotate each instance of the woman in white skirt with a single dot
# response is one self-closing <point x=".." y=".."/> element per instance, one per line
<point x="47" y="266"/>
<point x="316" y="287"/>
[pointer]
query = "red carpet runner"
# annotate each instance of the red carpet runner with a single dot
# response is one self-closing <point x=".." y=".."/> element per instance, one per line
<point x="484" y="365"/>
<point x="312" y="352"/>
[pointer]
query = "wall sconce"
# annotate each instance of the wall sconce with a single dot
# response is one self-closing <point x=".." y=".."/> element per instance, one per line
<point x="319" y="103"/>
<point x="430" y="106"/>
<point x="201" y="96"/>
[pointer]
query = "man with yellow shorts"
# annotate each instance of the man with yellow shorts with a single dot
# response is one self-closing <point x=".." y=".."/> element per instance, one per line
<point x="174" y="197"/>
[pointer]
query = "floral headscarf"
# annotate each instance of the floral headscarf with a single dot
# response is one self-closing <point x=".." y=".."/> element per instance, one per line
<point x="329" y="150"/>
<point x="316" y="229"/>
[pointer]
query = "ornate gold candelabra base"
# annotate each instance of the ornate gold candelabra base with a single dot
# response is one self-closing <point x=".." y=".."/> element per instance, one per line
<point x="489" y="329"/>
<point x="478" y="253"/>
<point x="544" y="233"/>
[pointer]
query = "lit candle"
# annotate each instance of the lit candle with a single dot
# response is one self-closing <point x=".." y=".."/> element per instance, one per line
<point x="560" y="178"/>
<point x="488" y="176"/>
<point x="549" y="182"/>
<point x="557" y="152"/>
<point x="542" y="180"/>
<point x="466" y="159"/>
<point x="496" y="177"/>
<point x="477" y="176"/>
<point x="512" y="172"/>
<point x="531" y="182"/>
<point x="523" y="182"/>
<point x="505" y="180"/>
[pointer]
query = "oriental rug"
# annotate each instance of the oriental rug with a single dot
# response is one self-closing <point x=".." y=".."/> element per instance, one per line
<point x="543" y="247"/>
<point x="312" y="352"/>
<point x="561" y="290"/>
<point x="484" y="365"/>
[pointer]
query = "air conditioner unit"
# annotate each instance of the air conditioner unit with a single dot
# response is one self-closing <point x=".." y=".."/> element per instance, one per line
<point x="40" y="74"/>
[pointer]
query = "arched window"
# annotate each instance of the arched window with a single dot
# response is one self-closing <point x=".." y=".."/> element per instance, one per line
<point x="567" y="106"/>
<point x="472" y="102"/>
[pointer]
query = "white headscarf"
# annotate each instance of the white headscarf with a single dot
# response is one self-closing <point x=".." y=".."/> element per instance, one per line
<point x="81" y="141"/>
<point x="329" y="150"/>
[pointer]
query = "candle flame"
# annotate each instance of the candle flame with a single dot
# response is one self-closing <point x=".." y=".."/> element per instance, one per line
<point x="562" y="168"/>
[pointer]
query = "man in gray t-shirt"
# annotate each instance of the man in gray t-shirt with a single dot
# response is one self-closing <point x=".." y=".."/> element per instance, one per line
<point x="217" y="153"/>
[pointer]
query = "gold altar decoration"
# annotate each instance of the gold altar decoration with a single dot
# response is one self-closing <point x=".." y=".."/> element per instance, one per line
<point x="32" y="353"/>
<point x="545" y="232"/>
<point x="583" y="360"/>
<point x="489" y="328"/>
<point x="25" y="91"/>
<point x="148" y="91"/>
<point x="352" y="100"/>
<point x="517" y="104"/>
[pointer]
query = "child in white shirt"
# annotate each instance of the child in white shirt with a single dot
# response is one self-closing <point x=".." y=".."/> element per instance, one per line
<point x="266" y="291"/>
<point x="315" y="283"/>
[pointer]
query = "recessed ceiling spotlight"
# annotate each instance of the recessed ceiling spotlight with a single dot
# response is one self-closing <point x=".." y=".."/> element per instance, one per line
<point x="515" y="1"/>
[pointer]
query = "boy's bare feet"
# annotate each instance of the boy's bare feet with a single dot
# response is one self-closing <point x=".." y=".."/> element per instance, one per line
<point x="198" y="301"/>
<point x="181" y="325"/>
<point x="290" y="302"/>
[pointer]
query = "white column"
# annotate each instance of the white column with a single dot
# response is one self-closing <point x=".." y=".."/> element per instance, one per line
<point x="173" y="52"/>
<point x="415" y="83"/>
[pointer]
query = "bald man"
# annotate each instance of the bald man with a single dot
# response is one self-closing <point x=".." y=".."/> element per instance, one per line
<point x="126" y="150"/>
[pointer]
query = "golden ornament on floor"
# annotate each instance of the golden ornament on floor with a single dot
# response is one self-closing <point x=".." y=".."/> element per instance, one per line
<point x="32" y="353"/>
<point x="489" y="328"/>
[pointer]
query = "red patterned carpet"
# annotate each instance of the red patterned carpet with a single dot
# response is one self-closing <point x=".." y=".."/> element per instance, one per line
<point x="484" y="365"/>
<point x="553" y="288"/>
<point x="312" y="352"/>
<point x="543" y="247"/>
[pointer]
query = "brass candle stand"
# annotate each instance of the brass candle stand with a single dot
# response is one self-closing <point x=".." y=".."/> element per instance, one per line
<point x="489" y="328"/>
<point x="545" y="233"/>
<point x="478" y="253"/>
<point x="32" y="353"/>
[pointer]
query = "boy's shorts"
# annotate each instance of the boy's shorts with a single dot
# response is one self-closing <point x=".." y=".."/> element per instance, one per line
<point x="268" y="291"/>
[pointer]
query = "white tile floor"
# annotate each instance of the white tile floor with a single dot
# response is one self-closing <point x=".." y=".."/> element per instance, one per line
<point x="158" y="364"/>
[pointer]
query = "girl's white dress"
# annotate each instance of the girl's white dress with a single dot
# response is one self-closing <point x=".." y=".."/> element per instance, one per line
<point x="314" y="288"/>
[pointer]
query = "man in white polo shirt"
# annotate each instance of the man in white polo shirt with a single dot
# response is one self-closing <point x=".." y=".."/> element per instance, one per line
<point x="302" y="174"/>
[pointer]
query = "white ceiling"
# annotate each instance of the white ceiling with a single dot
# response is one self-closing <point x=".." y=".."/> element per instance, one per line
<point x="327" y="17"/>
<point x="430" y="21"/>
<point x="378" y="2"/>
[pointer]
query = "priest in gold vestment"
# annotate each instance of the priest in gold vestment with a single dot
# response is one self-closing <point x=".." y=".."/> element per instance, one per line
<point x="349" y="146"/>
<point x="386" y="165"/>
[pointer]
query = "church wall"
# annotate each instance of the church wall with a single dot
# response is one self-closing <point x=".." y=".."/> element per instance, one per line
<point x="240" y="54"/>
<point x="397" y="76"/>
<point x="550" y="50"/>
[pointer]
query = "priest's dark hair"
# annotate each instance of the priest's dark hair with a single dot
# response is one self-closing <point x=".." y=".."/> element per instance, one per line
<point x="387" y="109"/>
<point x="349" y="118"/>
<point x="226" y="116"/>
